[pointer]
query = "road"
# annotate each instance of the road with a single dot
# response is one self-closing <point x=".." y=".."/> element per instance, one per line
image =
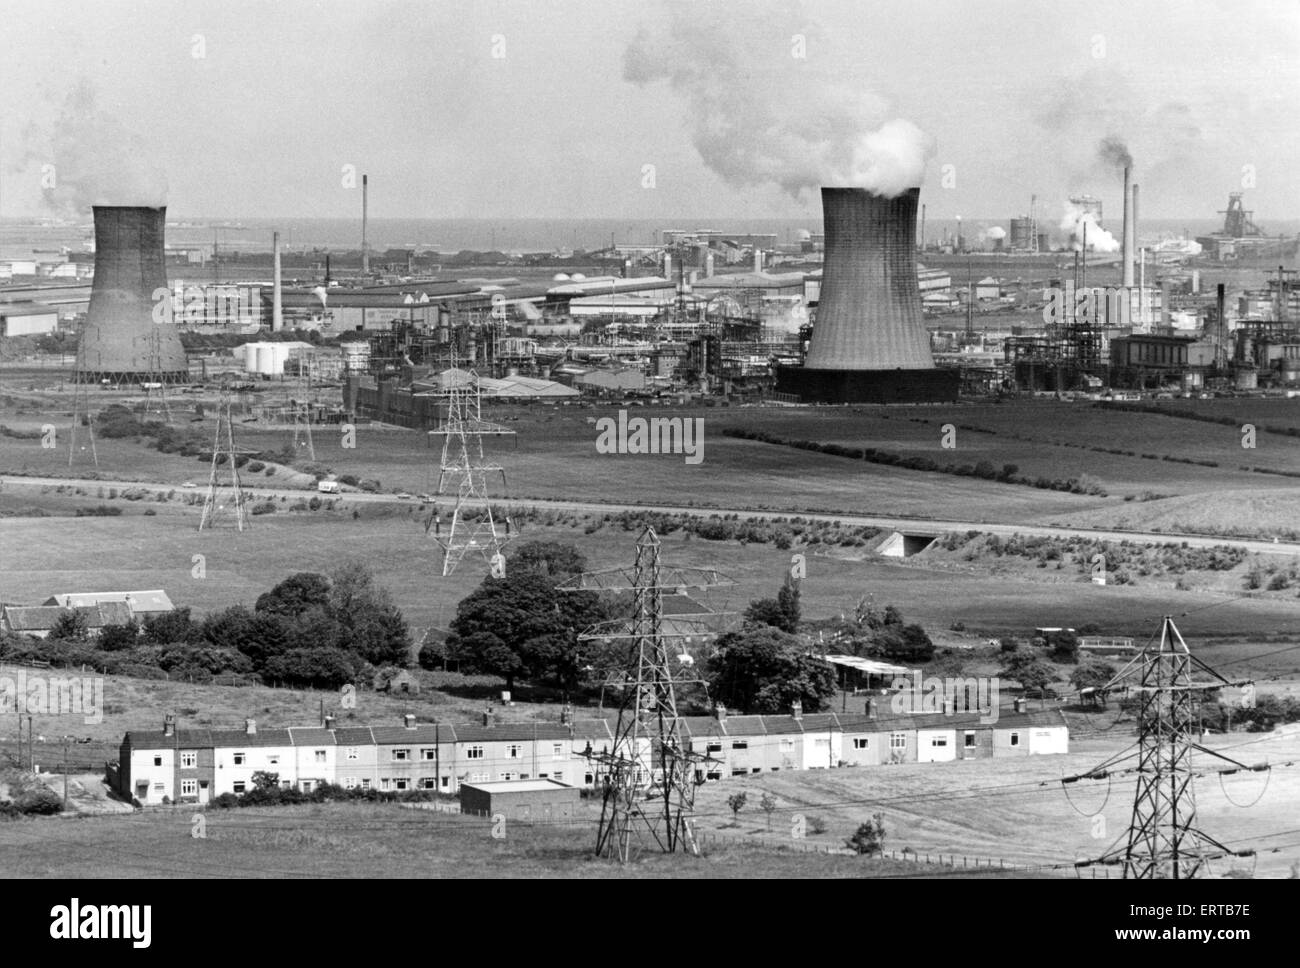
<point x="910" y="525"/>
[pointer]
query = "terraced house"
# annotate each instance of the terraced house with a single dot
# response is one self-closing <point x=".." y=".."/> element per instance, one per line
<point x="195" y="765"/>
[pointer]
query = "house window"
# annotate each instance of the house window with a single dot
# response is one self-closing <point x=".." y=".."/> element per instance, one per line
<point x="286" y="785"/>
<point x="306" y="786"/>
<point x="385" y="783"/>
<point x="274" y="760"/>
<point x="159" y="787"/>
<point x="557" y="775"/>
<point x="352" y="752"/>
<point x="898" y="741"/>
<point x="189" y="760"/>
<point x="1015" y="739"/>
<point x="861" y="742"/>
<point x="938" y="741"/>
<point x="238" y="786"/>
<point x="588" y="779"/>
<point x="446" y="782"/>
<point x="320" y="757"/>
<point x="514" y="751"/>
<point x="189" y="788"/>
<point x="157" y="761"/>
<point x="557" y="751"/>
<point x="428" y="753"/>
<point x="970" y="739"/>
<point x="428" y="783"/>
<point x="713" y="775"/>
<point x="239" y="759"/>
<point x="740" y="744"/>
<point x="365" y="783"/>
<point x="349" y="783"/>
<point x="400" y="754"/>
<point x="479" y="778"/>
<point x="474" y="753"/>
<point x="740" y="771"/>
<point x="714" y="746"/>
<point x="401" y="783"/>
<point x="509" y="775"/>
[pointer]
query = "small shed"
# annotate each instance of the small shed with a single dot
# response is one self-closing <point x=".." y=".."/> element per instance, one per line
<point x="536" y="800"/>
<point x="396" y="683"/>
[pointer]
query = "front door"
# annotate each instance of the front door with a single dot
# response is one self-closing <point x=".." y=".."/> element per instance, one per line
<point x="203" y="791"/>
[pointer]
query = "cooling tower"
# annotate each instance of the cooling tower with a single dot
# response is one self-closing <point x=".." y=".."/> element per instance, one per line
<point x="122" y="341"/>
<point x="869" y="343"/>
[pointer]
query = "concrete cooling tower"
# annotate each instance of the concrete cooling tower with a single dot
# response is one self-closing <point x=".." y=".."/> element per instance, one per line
<point x="869" y="342"/>
<point x="121" y="340"/>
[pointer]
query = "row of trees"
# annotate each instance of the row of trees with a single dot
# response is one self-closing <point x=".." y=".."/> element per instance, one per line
<point x="309" y="630"/>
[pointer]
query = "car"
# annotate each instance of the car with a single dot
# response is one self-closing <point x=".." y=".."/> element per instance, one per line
<point x="189" y="484"/>
<point x="424" y="498"/>
<point x="403" y="496"/>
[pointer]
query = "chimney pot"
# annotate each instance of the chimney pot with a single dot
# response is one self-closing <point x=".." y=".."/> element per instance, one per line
<point x="408" y="720"/>
<point x="169" y="725"/>
<point x="329" y="722"/>
<point x="721" y="712"/>
<point x="796" y="710"/>
<point x="250" y="726"/>
<point x="1020" y="704"/>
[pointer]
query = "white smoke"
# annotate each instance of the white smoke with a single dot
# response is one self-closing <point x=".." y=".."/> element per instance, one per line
<point x="995" y="233"/>
<point x="95" y="159"/>
<point x="759" y="115"/>
<point x="1072" y="223"/>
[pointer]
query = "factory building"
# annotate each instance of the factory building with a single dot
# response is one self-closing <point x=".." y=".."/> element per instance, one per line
<point x="27" y="319"/>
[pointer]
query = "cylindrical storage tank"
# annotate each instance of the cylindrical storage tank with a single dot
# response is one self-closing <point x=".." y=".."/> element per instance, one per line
<point x="250" y="357"/>
<point x="265" y="359"/>
<point x="122" y="339"/>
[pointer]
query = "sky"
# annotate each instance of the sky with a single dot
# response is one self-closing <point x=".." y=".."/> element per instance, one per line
<point x="650" y="109"/>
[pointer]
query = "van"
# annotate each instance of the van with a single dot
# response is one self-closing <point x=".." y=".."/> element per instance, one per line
<point x="328" y="487"/>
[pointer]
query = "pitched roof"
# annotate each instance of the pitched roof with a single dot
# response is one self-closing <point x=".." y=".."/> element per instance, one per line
<point x="153" y="600"/>
<point x="40" y="618"/>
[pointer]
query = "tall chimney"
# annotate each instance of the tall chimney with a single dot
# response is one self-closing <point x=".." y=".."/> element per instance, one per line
<point x="365" y="202"/>
<point x="869" y="316"/>
<point x="758" y="260"/>
<point x="277" y="312"/>
<point x="122" y="341"/>
<point x="1127" y="249"/>
<point x="1221" y="325"/>
<point x="169" y="725"/>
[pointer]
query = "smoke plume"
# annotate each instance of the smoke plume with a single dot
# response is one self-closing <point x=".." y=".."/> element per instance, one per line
<point x="95" y="159"/>
<point x="1073" y="222"/>
<point x="1114" y="153"/>
<point x="759" y="115"/>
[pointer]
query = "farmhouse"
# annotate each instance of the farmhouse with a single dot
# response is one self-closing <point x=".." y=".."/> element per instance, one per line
<point x="142" y="604"/>
<point x="39" y="620"/>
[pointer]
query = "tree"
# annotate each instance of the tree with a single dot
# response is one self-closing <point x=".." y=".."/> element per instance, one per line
<point x="1065" y="646"/>
<point x="70" y="626"/>
<point x="782" y="612"/>
<point x="263" y="780"/>
<point x="1093" y="675"/>
<point x="869" y="838"/>
<point x="295" y="595"/>
<point x="520" y="627"/>
<point x="768" y="803"/>
<point x="324" y="668"/>
<point x="765" y="670"/>
<point x="369" y="623"/>
<point x="167" y="627"/>
<point x="553" y="559"/>
<point x="1029" y="671"/>
<point x="737" y="803"/>
<point x="903" y="643"/>
<point x="115" y="638"/>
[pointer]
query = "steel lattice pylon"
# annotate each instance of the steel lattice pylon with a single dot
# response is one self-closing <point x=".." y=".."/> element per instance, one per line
<point x="649" y="775"/>
<point x="463" y="472"/>
<point x="224" y="444"/>
<point x="81" y="411"/>
<point x="1162" y="841"/>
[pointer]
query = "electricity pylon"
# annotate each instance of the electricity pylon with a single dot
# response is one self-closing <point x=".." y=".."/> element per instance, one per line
<point x="650" y="775"/>
<point x="302" y="418"/>
<point x="1162" y="841"/>
<point x="463" y="471"/>
<point x="155" y="387"/>
<point x="224" y="445"/>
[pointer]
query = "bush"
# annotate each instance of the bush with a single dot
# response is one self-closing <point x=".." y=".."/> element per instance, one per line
<point x="39" y="801"/>
<point x="816" y="824"/>
<point x="869" y="838"/>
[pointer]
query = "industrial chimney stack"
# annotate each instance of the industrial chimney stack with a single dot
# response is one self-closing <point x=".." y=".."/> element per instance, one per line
<point x="124" y="339"/>
<point x="277" y="310"/>
<point x="1127" y="250"/>
<point x="365" y="213"/>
